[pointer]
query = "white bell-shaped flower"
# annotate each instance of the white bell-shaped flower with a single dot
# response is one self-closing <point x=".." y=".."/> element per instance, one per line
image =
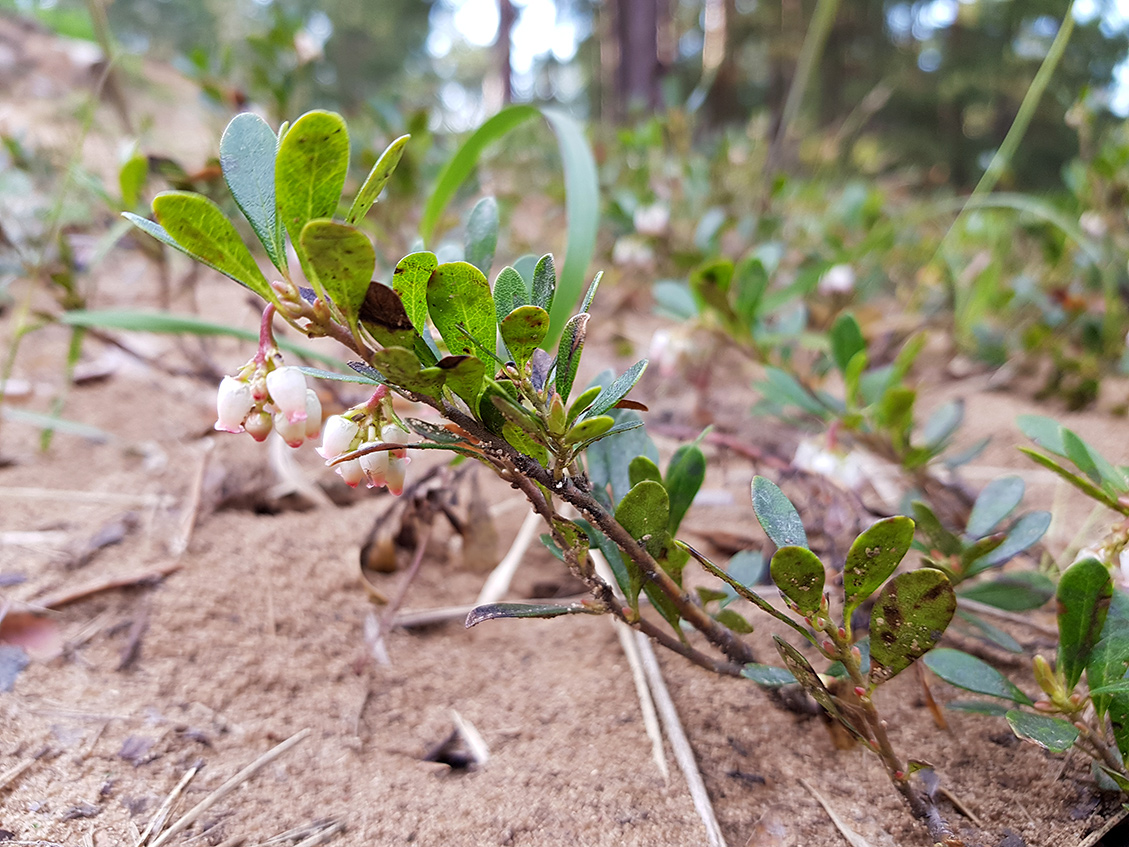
<point x="313" y="414"/>
<point x="287" y="387"/>
<point x="397" y="459"/>
<point x="337" y="437"/>
<point x="375" y="466"/>
<point x="350" y="472"/>
<point x="234" y="402"/>
<point x="292" y="432"/>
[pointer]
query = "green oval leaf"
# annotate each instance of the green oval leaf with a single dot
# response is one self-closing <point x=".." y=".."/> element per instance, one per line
<point x="459" y="296"/>
<point x="401" y="367"/>
<point x="767" y="676"/>
<point x="343" y="260"/>
<point x="908" y="619"/>
<point x="1054" y="734"/>
<point x="1083" y="597"/>
<point x="1023" y="533"/>
<point x="482" y="235"/>
<point x="544" y="282"/>
<point x="590" y="429"/>
<point x="684" y="477"/>
<point x="776" y="514"/>
<point x="998" y="500"/>
<point x="799" y="575"/>
<point x="510" y="292"/>
<point x="873" y="556"/>
<point x="972" y="674"/>
<point x="464" y="376"/>
<point x="846" y="340"/>
<point x="199" y="228"/>
<point x="409" y="280"/>
<point x="377" y="178"/>
<point x="247" y="154"/>
<point x="309" y="170"/>
<point x="641" y="468"/>
<point x="644" y="512"/>
<point x="615" y="392"/>
<point x="523" y="330"/>
<point x="1016" y="592"/>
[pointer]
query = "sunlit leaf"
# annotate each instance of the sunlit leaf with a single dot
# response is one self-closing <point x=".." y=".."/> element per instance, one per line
<point x="641" y="468"/>
<point x="377" y="178"/>
<point x="684" y="477"/>
<point x="459" y="296"/>
<point x="644" y="512"/>
<point x="409" y="280"/>
<point x="342" y="259"/>
<point x="197" y="226"/>
<point x="464" y="376"/>
<point x="873" y="556"/>
<point x="310" y="168"/>
<point x="523" y="330"/>
<point x="846" y="340"/>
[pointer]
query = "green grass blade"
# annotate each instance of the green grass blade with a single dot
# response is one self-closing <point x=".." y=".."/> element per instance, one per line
<point x="162" y="322"/>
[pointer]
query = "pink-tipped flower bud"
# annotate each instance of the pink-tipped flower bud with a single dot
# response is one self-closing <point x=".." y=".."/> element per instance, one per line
<point x="397" y="459"/>
<point x="234" y="402"/>
<point x="292" y="432"/>
<point x="313" y="414"/>
<point x="259" y="425"/>
<point x="338" y="437"/>
<point x="375" y="466"/>
<point x="287" y="387"/>
<point x="350" y="472"/>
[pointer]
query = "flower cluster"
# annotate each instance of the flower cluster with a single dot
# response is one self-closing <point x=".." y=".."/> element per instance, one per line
<point x="265" y="396"/>
<point x="359" y="429"/>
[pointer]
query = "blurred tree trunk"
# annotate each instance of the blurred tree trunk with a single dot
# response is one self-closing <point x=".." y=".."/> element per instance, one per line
<point x="507" y="15"/>
<point x="719" y="60"/>
<point x="638" y="68"/>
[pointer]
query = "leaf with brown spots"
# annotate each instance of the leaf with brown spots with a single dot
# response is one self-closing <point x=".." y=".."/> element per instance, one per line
<point x="909" y="618"/>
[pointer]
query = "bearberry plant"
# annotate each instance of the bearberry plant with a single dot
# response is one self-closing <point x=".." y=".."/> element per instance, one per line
<point x="479" y="356"/>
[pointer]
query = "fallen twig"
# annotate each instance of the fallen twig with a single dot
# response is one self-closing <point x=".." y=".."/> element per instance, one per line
<point x="683" y="753"/>
<point x="14" y="773"/>
<point x="81" y="592"/>
<point x="851" y="837"/>
<point x="162" y="813"/>
<point x="196" y="811"/>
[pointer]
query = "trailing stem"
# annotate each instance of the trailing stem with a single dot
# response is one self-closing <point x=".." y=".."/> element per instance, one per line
<point x="921" y="805"/>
